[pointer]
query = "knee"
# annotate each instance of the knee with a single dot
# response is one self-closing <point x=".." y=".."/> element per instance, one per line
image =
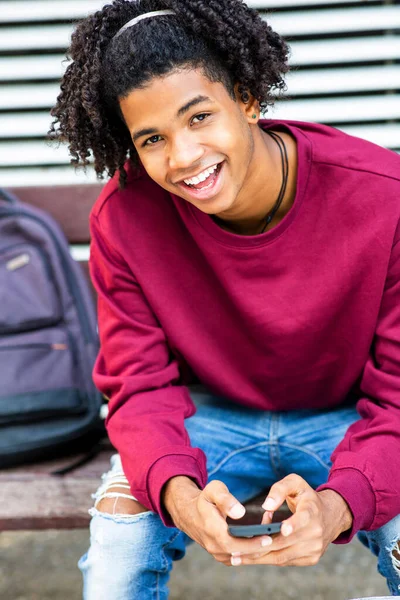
<point x="396" y="556"/>
<point x="119" y="503"/>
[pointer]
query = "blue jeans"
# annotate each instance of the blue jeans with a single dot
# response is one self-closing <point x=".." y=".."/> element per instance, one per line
<point x="131" y="556"/>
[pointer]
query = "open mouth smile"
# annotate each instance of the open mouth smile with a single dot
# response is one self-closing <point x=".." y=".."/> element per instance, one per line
<point x="205" y="184"/>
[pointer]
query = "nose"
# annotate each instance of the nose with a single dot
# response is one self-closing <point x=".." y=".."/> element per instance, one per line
<point x="184" y="153"/>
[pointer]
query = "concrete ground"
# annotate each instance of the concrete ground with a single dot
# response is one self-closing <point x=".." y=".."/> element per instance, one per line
<point x="41" y="566"/>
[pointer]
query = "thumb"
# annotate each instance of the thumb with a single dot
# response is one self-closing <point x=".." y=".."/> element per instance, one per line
<point x="218" y="494"/>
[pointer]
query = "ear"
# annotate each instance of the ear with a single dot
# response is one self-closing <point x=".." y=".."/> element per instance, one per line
<point x="247" y="103"/>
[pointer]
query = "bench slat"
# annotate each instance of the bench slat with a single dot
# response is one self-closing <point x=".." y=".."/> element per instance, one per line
<point x="50" y="502"/>
<point x="46" y="504"/>
<point x="69" y="205"/>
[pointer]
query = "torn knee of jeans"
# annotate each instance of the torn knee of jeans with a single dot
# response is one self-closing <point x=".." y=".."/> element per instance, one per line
<point x="396" y="556"/>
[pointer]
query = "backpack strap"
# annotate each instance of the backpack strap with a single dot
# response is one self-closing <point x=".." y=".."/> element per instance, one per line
<point x="8" y="196"/>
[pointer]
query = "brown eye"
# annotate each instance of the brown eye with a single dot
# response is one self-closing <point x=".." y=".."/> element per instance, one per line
<point x="201" y="117"/>
<point x="153" y="140"/>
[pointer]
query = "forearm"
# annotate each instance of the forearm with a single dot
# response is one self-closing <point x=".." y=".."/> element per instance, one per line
<point x="337" y="512"/>
<point x="177" y="493"/>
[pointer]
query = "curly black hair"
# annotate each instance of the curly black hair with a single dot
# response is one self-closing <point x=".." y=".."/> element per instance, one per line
<point x="226" y="38"/>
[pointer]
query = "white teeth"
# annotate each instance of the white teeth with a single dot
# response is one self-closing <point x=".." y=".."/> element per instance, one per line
<point x="201" y="177"/>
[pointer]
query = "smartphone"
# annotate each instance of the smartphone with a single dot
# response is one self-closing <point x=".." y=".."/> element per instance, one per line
<point x="249" y="531"/>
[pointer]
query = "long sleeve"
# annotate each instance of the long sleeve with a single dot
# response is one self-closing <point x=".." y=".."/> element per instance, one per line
<point x="136" y="371"/>
<point x="365" y="464"/>
<point x="303" y="316"/>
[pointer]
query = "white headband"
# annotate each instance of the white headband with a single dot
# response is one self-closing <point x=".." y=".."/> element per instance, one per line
<point x="133" y="22"/>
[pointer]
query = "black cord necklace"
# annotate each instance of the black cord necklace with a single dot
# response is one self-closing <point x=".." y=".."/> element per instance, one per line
<point x="285" y="174"/>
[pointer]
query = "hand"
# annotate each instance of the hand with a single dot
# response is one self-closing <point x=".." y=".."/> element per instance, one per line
<point x="202" y="516"/>
<point x="318" y="519"/>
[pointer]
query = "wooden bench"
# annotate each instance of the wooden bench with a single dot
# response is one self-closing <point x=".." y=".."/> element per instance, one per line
<point x="33" y="496"/>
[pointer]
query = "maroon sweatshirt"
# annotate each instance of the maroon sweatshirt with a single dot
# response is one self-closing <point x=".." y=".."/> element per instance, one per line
<point x="298" y="317"/>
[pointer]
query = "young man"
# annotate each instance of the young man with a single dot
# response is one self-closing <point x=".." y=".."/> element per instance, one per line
<point x="257" y="258"/>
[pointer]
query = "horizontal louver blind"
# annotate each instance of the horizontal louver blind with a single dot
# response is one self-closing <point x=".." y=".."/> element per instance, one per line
<point x="345" y="59"/>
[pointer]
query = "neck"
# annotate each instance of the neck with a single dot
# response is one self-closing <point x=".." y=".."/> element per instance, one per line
<point x="265" y="177"/>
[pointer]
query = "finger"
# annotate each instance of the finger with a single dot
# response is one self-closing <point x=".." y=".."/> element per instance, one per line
<point x="291" y="487"/>
<point x="217" y="493"/>
<point x="304" y="561"/>
<point x="298" y="555"/>
<point x="267" y="517"/>
<point x="242" y="546"/>
<point x="306" y="517"/>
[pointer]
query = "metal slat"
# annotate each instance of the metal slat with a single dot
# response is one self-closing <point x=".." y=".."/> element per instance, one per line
<point x="47" y="10"/>
<point x="24" y="125"/>
<point x="24" y="159"/>
<point x="25" y="68"/>
<point x="383" y="135"/>
<point x="330" y="21"/>
<point x="324" y="21"/>
<point x="81" y="253"/>
<point x="17" y="97"/>
<point x="17" y="154"/>
<point x="268" y="4"/>
<point x="303" y="82"/>
<point x="16" y="11"/>
<point x="49" y="176"/>
<point x="349" y="50"/>
<point x="339" y="110"/>
<point x="36" y="37"/>
<point x="333" y="81"/>
<point x="326" y="110"/>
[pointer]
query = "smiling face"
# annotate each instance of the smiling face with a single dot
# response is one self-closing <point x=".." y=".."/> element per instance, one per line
<point x="195" y="140"/>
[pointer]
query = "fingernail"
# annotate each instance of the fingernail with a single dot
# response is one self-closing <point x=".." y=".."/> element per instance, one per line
<point x="235" y="554"/>
<point x="237" y="511"/>
<point x="266" y="541"/>
<point x="269" y="504"/>
<point x="286" y="529"/>
<point x="236" y="561"/>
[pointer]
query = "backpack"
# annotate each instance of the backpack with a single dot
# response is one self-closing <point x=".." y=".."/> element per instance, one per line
<point x="49" y="405"/>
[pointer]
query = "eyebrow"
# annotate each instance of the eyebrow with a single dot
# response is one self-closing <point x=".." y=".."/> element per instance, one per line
<point x="184" y="109"/>
<point x="191" y="103"/>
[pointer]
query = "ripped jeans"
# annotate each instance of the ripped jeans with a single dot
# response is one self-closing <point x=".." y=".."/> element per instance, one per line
<point x="131" y="556"/>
